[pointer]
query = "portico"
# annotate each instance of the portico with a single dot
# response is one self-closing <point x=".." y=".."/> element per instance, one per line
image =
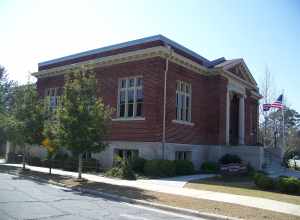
<point x="235" y="114"/>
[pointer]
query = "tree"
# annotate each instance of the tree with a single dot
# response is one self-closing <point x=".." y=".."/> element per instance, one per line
<point x="50" y="142"/>
<point x="6" y="87"/>
<point x="24" y="122"/>
<point x="82" y="118"/>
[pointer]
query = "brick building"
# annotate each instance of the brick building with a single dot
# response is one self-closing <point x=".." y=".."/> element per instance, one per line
<point x="170" y="102"/>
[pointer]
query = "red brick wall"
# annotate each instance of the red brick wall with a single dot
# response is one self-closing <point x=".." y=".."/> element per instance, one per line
<point x="208" y="108"/>
<point x="208" y="103"/>
<point x="152" y="72"/>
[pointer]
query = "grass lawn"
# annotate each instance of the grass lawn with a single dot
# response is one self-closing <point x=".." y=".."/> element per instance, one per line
<point x="240" y="186"/>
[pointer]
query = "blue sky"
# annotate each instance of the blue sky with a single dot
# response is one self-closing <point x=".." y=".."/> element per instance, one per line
<point x="264" y="33"/>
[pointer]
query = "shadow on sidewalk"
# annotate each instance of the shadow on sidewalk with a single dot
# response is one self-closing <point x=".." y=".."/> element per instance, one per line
<point x="74" y="184"/>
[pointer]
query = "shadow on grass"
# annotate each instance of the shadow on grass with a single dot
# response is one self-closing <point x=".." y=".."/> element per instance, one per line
<point x="243" y="182"/>
<point x="75" y="185"/>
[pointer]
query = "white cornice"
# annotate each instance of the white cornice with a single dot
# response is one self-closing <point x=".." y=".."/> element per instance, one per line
<point x="158" y="51"/>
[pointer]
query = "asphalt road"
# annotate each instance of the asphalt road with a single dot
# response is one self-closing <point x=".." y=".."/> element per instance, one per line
<point x="25" y="199"/>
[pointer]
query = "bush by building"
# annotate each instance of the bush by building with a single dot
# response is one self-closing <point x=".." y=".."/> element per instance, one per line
<point x="122" y="170"/>
<point x="160" y="168"/>
<point x="138" y="164"/>
<point x="288" y="185"/>
<point x="263" y="181"/>
<point x="184" y="167"/>
<point x="209" y="167"/>
<point x="230" y="158"/>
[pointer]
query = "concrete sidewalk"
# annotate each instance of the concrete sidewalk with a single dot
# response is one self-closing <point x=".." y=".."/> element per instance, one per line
<point x="151" y="185"/>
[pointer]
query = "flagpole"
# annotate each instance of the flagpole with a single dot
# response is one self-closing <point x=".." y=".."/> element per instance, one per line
<point x="283" y="129"/>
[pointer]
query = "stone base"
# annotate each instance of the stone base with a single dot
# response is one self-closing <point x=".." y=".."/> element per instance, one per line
<point x="153" y="150"/>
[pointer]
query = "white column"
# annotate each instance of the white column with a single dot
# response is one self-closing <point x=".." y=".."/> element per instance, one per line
<point x="227" y="116"/>
<point x="242" y="120"/>
<point x="8" y="149"/>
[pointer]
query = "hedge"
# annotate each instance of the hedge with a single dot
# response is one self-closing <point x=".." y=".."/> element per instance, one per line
<point x="263" y="181"/>
<point x="138" y="164"/>
<point x="123" y="171"/>
<point x="184" y="167"/>
<point x="288" y="185"/>
<point x="160" y="168"/>
<point x="210" y="167"/>
<point x="230" y="158"/>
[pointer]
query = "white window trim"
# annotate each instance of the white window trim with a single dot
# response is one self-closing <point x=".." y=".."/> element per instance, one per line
<point x="183" y="122"/>
<point x="134" y="88"/>
<point x="179" y="93"/>
<point x="129" y="119"/>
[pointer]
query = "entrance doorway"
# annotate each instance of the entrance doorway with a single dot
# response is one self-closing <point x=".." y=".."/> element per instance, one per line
<point x="234" y="120"/>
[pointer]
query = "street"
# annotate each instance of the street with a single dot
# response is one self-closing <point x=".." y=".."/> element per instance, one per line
<point x="21" y="198"/>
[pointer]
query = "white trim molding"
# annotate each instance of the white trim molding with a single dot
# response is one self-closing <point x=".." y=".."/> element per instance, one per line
<point x="158" y="51"/>
<point x="183" y="122"/>
<point x="129" y="119"/>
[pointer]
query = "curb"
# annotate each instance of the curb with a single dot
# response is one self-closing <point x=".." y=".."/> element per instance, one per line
<point x="178" y="210"/>
<point x="182" y="211"/>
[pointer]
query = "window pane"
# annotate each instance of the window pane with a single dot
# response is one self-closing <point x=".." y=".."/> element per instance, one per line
<point x="123" y="83"/>
<point x="187" y="88"/>
<point x="122" y="110"/>
<point x="52" y="92"/>
<point x="139" y="109"/>
<point x="130" y="96"/>
<point x="122" y="97"/>
<point x="182" y="87"/>
<point x="139" y="95"/>
<point x="131" y="82"/>
<point x="139" y="82"/>
<point x="130" y="110"/>
<point x="182" y="116"/>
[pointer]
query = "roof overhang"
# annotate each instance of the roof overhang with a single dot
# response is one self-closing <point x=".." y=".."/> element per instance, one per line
<point x="158" y="51"/>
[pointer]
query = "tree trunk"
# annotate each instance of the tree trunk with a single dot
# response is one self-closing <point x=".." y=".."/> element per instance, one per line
<point x="24" y="159"/>
<point x="50" y="166"/>
<point x="79" y="166"/>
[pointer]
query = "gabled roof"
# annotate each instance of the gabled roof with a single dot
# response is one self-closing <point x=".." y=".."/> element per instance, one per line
<point x="229" y="64"/>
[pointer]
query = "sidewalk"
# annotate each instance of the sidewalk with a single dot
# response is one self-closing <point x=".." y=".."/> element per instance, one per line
<point x="176" y="189"/>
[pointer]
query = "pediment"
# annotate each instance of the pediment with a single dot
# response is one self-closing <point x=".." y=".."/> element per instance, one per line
<point x="239" y="69"/>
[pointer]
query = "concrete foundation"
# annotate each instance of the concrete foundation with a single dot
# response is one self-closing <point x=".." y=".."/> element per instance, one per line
<point x="153" y="150"/>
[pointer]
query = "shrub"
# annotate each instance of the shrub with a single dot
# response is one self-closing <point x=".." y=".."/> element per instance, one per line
<point x="210" y="167"/>
<point x="263" y="181"/>
<point x="71" y="164"/>
<point x="14" y="158"/>
<point x="138" y="164"/>
<point x="35" y="161"/>
<point x="230" y="158"/>
<point x="184" y="167"/>
<point x="288" y="185"/>
<point x="90" y="165"/>
<point x="160" y="168"/>
<point x="123" y="170"/>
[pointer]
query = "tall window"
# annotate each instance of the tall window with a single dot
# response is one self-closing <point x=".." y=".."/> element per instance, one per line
<point x="52" y="96"/>
<point x="183" y="101"/>
<point x="131" y="97"/>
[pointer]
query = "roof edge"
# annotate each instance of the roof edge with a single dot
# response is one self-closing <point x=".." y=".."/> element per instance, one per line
<point x="160" y="37"/>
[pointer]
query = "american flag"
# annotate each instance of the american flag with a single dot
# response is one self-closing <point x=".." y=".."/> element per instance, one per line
<point x="276" y="104"/>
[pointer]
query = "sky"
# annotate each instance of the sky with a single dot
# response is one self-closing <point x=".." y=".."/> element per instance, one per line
<point x="266" y="34"/>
